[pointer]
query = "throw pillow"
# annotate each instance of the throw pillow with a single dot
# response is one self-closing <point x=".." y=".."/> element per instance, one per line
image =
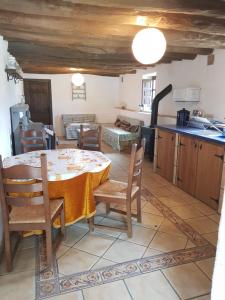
<point x="125" y="125"/>
<point x="134" y="128"/>
<point x="117" y="123"/>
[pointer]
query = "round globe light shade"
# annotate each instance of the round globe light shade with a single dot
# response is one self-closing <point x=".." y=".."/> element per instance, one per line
<point x="77" y="79"/>
<point x="149" y="46"/>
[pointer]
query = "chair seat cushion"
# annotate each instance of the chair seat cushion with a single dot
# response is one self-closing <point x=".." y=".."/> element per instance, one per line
<point x="33" y="214"/>
<point x="114" y="189"/>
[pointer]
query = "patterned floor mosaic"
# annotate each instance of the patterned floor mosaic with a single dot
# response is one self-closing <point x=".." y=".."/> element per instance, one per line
<point x="49" y="283"/>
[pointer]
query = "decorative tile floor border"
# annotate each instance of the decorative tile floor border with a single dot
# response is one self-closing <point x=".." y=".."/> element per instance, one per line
<point x="48" y="282"/>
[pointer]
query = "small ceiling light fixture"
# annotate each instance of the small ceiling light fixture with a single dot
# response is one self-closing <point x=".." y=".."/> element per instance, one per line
<point x="77" y="79"/>
<point x="149" y="46"/>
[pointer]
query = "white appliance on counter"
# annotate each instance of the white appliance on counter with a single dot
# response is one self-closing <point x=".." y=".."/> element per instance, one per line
<point x="189" y="94"/>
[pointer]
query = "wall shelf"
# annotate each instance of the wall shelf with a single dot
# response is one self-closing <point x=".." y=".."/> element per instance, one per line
<point x="13" y="74"/>
<point x="127" y="109"/>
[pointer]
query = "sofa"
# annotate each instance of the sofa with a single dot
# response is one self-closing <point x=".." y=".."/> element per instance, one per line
<point x="71" y="122"/>
<point x="118" y="136"/>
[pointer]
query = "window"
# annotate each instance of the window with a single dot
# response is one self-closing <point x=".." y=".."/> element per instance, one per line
<point x="148" y="91"/>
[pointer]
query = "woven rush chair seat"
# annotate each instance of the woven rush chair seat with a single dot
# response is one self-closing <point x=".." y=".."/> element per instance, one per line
<point x="30" y="215"/>
<point x="115" y="189"/>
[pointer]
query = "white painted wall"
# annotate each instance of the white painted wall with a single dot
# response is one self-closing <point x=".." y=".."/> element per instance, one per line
<point x="10" y="94"/>
<point x="211" y="80"/>
<point x="101" y="96"/>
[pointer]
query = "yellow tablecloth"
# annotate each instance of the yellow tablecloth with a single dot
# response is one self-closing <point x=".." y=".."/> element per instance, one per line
<point x="78" y="195"/>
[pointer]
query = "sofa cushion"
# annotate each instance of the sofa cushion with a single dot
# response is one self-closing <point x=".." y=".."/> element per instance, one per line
<point x="134" y="128"/>
<point x="125" y="125"/>
<point x="117" y="123"/>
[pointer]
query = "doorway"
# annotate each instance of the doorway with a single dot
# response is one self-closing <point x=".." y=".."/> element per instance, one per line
<point x="38" y="96"/>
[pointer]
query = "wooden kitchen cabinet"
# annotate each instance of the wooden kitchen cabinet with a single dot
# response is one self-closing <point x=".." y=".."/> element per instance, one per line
<point x="199" y="169"/>
<point x="165" y="154"/>
<point x="209" y="172"/>
<point x="187" y="164"/>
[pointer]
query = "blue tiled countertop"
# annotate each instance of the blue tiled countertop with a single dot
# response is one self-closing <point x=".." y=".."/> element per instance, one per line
<point x="204" y="134"/>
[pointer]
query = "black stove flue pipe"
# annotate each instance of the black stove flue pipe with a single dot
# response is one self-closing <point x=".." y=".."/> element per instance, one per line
<point x="149" y="132"/>
<point x="155" y="104"/>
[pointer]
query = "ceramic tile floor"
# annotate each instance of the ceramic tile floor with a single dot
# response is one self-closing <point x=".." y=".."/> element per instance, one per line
<point x="82" y="251"/>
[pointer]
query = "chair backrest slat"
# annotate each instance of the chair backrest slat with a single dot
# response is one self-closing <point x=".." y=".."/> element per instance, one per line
<point x="91" y="139"/>
<point x="24" y="201"/>
<point x="21" y="172"/>
<point x="16" y="187"/>
<point x="135" y="168"/>
<point x="33" y="140"/>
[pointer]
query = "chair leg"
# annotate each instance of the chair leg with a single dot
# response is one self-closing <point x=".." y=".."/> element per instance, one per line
<point x="107" y="206"/>
<point x="62" y="221"/>
<point x="129" y="221"/>
<point x="139" y="219"/>
<point x="91" y="224"/>
<point x="49" y="246"/>
<point x="8" y="251"/>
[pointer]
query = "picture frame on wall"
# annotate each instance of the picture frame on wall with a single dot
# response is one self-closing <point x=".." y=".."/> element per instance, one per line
<point x="79" y="92"/>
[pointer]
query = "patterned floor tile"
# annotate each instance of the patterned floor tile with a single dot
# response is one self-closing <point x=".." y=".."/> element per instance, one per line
<point x="211" y="237"/>
<point x="122" y="251"/>
<point x="150" y="286"/>
<point x="188" y="280"/>
<point x="141" y="235"/>
<point x="74" y="234"/>
<point x="113" y="291"/>
<point x="17" y="286"/>
<point x="168" y="242"/>
<point x="203" y="225"/>
<point x="207" y="266"/>
<point x="75" y="260"/>
<point x="187" y="211"/>
<point x="95" y="243"/>
<point x="71" y="296"/>
<point x="102" y="263"/>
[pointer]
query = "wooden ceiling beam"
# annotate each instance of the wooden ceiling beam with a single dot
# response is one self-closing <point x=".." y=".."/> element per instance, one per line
<point x="113" y="22"/>
<point x="67" y="8"/>
<point x="92" y="39"/>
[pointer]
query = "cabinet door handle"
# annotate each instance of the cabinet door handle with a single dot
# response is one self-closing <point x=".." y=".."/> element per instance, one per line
<point x="219" y="156"/>
<point x="181" y="144"/>
<point x="200" y="147"/>
<point x="179" y="179"/>
<point x="159" y="137"/>
<point x="195" y="145"/>
<point x="172" y="138"/>
<point x="157" y="167"/>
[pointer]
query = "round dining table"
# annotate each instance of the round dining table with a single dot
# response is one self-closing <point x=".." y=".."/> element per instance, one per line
<point x="72" y="174"/>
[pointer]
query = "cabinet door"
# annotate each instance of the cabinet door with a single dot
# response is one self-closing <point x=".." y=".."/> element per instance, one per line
<point x="187" y="164"/>
<point x="165" y="152"/>
<point x="209" y="173"/>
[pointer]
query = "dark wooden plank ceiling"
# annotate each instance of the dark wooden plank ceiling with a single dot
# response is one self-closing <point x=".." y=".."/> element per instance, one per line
<point x="95" y="36"/>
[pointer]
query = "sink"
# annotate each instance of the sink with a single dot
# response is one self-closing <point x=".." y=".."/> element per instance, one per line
<point x="208" y="133"/>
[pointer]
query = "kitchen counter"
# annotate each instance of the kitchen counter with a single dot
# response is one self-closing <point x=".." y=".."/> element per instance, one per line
<point x="204" y="134"/>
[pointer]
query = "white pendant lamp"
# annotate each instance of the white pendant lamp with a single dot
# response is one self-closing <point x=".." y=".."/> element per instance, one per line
<point x="77" y="79"/>
<point x="149" y="46"/>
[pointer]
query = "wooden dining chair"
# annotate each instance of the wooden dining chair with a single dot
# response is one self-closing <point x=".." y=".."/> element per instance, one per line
<point x="32" y="140"/>
<point x="122" y="193"/>
<point x="90" y="139"/>
<point x="26" y="206"/>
